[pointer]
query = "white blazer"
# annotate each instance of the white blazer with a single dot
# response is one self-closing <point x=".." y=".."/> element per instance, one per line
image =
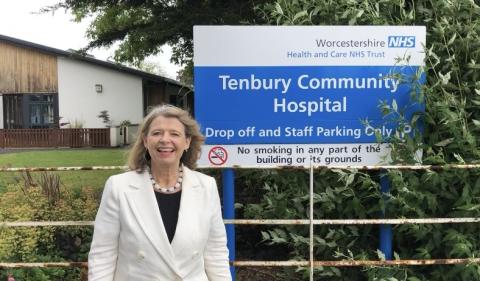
<point x="130" y="242"/>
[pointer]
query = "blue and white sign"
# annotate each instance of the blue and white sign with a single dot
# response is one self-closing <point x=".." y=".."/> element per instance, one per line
<point x="290" y="96"/>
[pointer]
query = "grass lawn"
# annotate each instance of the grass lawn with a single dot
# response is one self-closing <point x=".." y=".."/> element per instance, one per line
<point x="64" y="158"/>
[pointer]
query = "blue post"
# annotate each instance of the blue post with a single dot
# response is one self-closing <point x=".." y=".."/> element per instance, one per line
<point x="385" y="229"/>
<point x="228" y="179"/>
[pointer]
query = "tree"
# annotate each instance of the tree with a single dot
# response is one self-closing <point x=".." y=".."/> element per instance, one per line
<point x="143" y="26"/>
<point x="152" y="67"/>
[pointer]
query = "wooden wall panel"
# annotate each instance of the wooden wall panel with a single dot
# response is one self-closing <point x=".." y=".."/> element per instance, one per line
<point x="25" y="70"/>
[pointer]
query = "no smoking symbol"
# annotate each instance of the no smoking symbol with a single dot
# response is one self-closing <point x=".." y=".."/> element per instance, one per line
<point x="217" y="155"/>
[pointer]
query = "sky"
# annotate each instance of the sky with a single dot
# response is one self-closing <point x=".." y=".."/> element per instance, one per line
<point x="58" y="30"/>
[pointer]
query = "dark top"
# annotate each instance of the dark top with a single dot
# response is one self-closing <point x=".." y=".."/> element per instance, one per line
<point x="169" y="205"/>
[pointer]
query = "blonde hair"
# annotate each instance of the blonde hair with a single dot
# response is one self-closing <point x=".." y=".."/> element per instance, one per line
<point x="137" y="159"/>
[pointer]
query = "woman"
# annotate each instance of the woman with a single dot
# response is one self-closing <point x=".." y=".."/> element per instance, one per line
<point x="162" y="220"/>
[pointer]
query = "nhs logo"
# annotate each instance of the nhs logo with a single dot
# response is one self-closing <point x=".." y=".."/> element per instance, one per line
<point x="401" y="41"/>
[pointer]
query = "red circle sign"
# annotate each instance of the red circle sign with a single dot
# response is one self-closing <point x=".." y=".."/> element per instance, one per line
<point x="217" y="155"/>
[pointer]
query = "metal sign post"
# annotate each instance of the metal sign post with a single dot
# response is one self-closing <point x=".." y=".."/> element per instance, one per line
<point x="228" y="180"/>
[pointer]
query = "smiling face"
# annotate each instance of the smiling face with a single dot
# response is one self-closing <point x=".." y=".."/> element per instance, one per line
<point x="166" y="141"/>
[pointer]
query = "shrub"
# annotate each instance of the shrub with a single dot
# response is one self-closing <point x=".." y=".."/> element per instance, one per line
<point x="46" y="201"/>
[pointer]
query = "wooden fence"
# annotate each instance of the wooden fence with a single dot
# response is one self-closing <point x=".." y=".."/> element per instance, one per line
<point x="23" y="138"/>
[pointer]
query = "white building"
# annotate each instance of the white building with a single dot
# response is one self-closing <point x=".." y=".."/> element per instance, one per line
<point x="43" y="87"/>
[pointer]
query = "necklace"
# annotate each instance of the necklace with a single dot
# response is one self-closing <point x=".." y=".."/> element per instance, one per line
<point x="167" y="189"/>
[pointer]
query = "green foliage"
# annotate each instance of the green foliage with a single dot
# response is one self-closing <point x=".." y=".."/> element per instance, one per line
<point x="105" y="117"/>
<point x="451" y="134"/>
<point x="142" y="27"/>
<point x="34" y="202"/>
<point x="38" y="196"/>
<point x="338" y="194"/>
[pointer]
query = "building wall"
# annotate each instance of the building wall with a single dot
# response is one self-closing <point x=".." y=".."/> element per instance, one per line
<point x="24" y="70"/>
<point x="1" y="112"/>
<point x="79" y="102"/>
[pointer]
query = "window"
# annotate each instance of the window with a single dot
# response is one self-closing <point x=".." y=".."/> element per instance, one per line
<point x="30" y="111"/>
<point x="41" y="111"/>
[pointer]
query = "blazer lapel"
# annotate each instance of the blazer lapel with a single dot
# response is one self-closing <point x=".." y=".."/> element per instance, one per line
<point x="188" y="210"/>
<point x="145" y="209"/>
